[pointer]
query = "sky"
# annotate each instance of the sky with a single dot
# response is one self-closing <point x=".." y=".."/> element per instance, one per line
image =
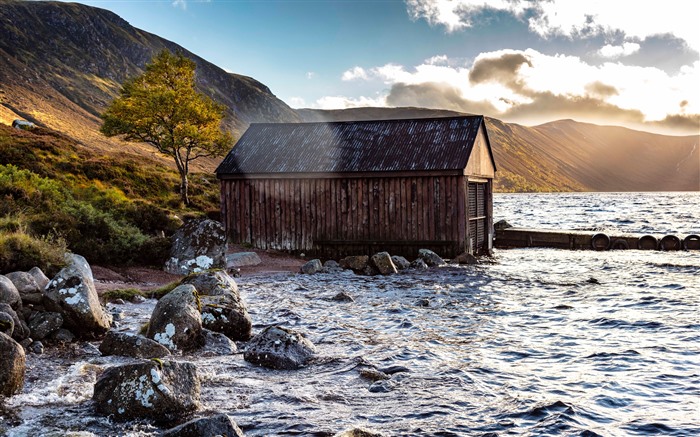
<point x="634" y="63"/>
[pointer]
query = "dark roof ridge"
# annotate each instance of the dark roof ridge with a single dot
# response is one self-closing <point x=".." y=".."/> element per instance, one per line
<point x="380" y="120"/>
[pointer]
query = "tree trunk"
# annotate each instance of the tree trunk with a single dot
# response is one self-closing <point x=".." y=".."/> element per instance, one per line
<point x="184" y="185"/>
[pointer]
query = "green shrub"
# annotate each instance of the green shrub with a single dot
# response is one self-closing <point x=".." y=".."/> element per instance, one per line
<point x="20" y="251"/>
<point x="121" y="293"/>
<point x="154" y="252"/>
<point x="159" y="292"/>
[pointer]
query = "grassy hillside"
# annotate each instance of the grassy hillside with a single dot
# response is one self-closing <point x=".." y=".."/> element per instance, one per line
<point x="112" y="209"/>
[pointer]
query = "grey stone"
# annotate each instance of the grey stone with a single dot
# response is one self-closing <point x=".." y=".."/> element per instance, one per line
<point x="312" y="267"/>
<point x="217" y="344"/>
<point x="39" y="277"/>
<point x="9" y="293"/>
<point x="277" y="347"/>
<point x="41" y="325"/>
<point x="419" y="264"/>
<point x="466" y="258"/>
<point x="176" y="322"/>
<point x="212" y="283"/>
<point x="400" y="262"/>
<point x="12" y="366"/>
<point x="198" y="245"/>
<point x="36" y="348"/>
<point x="228" y="315"/>
<point x="242" y="259"/>
<point x="72" y="293"/>
<point x="25" y="283"/>
<point x="358" y="432"/>
<point x="431" y="258"/>
<point x="219" y="425"/>
<point x="63" y="336"/>
<point x="356" y="263"/>
<point x="501" y="224"/>
<point x="343" y="297"/>
<point x="382" y="261"/>
<point x="7" y="324"/>
<point x="132" y="345"/>
<point x="20" y="328"/>
<point x="158" y="390"/>
<point x="331" y="266"/>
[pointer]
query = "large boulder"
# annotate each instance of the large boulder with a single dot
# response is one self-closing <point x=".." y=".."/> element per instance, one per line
<point x="400" y="262"/>
<point x="12" y="366"/>
<point x="312" y="267"/>
<point x="132" y="345"/>
<point x="383" y="262"/>
<point x="197" y="246"/>
<point x="72" y="294"/>
<point x="20" y="329"/>
<point x="41" y="325"/>
<point x="219" y="425"/>
<point x="228" y="315"/>
<point x="281" y="348"/>
<point x="176" y="322"/>
<point x="9" y="293"/>
<point x="430" y="258"/>
<point x="356" y="263"/>
<point x="154" y="389"/>
<point x="242" y="259"/>
<point x="216" y="344"/>
<point x="212" y="283"/>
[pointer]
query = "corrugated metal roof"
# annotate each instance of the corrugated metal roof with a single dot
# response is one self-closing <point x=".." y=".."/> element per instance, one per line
<point x="357" y="146"/>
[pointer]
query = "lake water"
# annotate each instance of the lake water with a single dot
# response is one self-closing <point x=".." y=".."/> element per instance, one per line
<point x="539" y="342"/>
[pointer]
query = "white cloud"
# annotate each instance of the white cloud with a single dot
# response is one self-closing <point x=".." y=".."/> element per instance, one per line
<point x="342" y="102"/>
<point x="355" y="73"/>
<point x="437" y="60"/>
<point x="635" y="18"/>
<point x="310" y="75"/>
<point x="296" y="102"/>
<point x="182" y="4"/>
<point x="614" y="52"/>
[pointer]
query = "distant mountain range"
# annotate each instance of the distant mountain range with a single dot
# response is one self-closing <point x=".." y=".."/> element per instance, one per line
<point x="62" y="63"/>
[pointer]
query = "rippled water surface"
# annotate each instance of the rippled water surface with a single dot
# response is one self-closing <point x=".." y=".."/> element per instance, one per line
<point x="538" y="342"/>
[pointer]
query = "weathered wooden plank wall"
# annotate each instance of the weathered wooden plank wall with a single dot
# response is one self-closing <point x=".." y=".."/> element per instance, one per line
<point x="335" y="217"/>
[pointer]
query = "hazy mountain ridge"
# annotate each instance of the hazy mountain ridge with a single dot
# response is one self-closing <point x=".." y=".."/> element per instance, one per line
<point x="566" y="155"/>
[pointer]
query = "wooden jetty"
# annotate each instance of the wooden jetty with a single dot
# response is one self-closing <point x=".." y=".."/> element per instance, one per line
<point x="512" y="237"/>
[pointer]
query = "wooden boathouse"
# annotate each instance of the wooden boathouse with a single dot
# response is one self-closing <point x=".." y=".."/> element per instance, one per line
<point x="334" y="189"/>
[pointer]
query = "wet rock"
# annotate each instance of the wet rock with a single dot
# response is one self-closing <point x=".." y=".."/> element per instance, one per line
<point x="212" y="283"/>
<point x="176" y="322"/>
<point x="118" y="302"/>
<point x="228" y="315"/>
<point x="242" y="259"/>
<point x="41" y="325"/>
<point x="383" y="263"/>
<point x="593" y="281"/>
<point x="39" y="277"/>
<point x="217" y="344"/>
<point x="391" y="370"/>
<point x="20" y="330"/>
<point x="343" y="297"/>
<point x="382" y="386"/>
<point x="132" y="345"/>
<point x="312" y="267"/>
<point x="7" y="324"/>
<point x="466" y="258"/>
<point x="72" y="294"/>
<point x="355" y="263"/>
<point x="219" y="425"/>
<point x="373" y="374"/>
<point x="36" y="348"/>
<point x="197" y="246"/>
<point x="358" y="432"/>
<point x="400" y="262"/>
<point x="331" y="266"/>
<point x="137" y="298"/>
<point x="370" y="270"/>
<point x="154" y="389"/>
<point x="12" y="366"/>
<point x="9" y="293"/>
<point x="419" y="264"/>
<point x="277" y="347"/>
<point x="423" y="302"/>
<point x="430" y="258"/>
<point x="63" y="336"/>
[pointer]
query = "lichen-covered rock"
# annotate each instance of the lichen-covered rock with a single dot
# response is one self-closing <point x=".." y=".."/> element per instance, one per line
<point x="154" y="389"/>
<point x="382" y="261"/>
<point x="9" y="293"/>
<point x="279" y="348"/>
<point x="25" y="283"/>
<point x="228" y="315"/>
<point x="20" y="328"/>
<point x="430" y="258"/>
<point x="219" y="425"/>
<point x="39" y="277"/>
<point x="197" y="246"/>
<point x="400" y="262"/>
<point x="212" y="283"/>
<point x="132" y="345"/>
<point x="12" y="366"/>
<point x="356" y="263"/>
<point x="176" y="322"/>
<point x="41" y="325"/>
<point x="72" y="294"/>
<point x="312" y="267"/>
<point x="7" y="324"/>
<point x="242" y="259"/>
